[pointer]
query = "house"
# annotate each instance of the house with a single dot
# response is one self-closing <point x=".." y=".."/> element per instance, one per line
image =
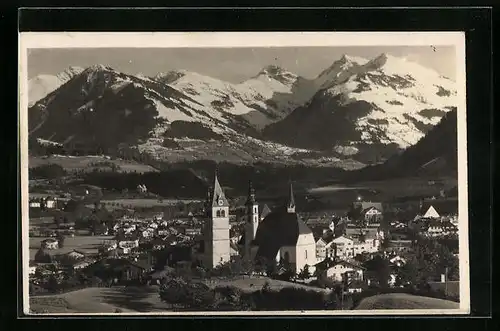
<point x="320" y="249"/>
<point x="356" y="286"/>
<point x="128" y="243"/>
<point x="75" y="254"/>
<point x="436" y="228"/>
<point x="340" y="247"/>
<point x="192" y="231"/>
<point x="34" y="203"/>
<point x="365" y="245"/>
<point x="32" y="268"/>
<point x="148" y="233"/>
<point x="372" y="216"/>
<point x="127" y="270"/>
<point x="163" y="232"/>
<point x="50" y="203"/>
<point x="83" y="263"/>
<point x="50" y="243"/>
<point x="397" y="261"/>
<point x="370" y="212"/>
<point x="399" y="247"/>
<point x="339" y="270"/>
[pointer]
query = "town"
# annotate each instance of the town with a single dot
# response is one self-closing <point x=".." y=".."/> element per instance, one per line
<point x="201" y="255"/>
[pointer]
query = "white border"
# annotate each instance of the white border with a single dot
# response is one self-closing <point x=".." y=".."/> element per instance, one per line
<point x="254" y="39"/>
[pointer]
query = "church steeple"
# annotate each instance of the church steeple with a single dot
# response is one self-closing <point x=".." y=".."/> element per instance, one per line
<point x="252" y="220"/>
<point x="216" y="231"/>
<point x="291" y="201"/>
<point x="251" y="194"/>
<point x="218" y="196"/>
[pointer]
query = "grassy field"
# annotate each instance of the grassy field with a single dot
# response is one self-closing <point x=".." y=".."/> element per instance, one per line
<point x="404" y="301"/>
<point x="101" y="300"/>
<point x="87" y="244"/>
<point x="72" y="163"/>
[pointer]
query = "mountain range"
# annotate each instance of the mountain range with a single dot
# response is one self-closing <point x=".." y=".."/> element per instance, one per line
<point x="355" y="112"/>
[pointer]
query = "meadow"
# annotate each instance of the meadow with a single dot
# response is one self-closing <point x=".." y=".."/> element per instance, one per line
<point x="88" y="163"/>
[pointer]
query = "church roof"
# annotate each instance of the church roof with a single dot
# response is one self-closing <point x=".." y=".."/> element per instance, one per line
<point x="265" y="211"/>
<point x="279" y="229"/>
<point x="218" y="195"/>
<point x="443" y="207"/>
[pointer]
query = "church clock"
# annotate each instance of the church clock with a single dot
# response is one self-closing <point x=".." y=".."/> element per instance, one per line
<point x="221" y="202"/>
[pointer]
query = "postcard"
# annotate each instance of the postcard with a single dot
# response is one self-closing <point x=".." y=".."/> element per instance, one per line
<point x="234" y="173"/>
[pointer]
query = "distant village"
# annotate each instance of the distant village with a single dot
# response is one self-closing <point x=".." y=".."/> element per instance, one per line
<point x="103" y="246"/>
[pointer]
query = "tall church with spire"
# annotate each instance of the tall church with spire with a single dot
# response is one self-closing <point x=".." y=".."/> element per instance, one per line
<point x="281" y="235"/>
<point x="216" y="231"/>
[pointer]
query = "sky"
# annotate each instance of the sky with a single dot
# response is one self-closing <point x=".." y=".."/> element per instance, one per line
<point x="230" y="64"/>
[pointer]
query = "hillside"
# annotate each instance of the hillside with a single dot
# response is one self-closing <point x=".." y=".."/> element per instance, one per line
<point x="385" y="104"/>
<point x="404" y="301"/>
<point x="436" y="154"/>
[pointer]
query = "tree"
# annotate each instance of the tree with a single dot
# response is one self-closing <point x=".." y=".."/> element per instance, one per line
<point x="379" y="270"/>
<point x="60" y="238"/>
<point x="52" y="284"/>
<point x="304" y="273"/>
<point x="199" y="296"/>
<point x="42" y="256"/>
<point x="408" y="273"/>
<point x="174" y="291"/>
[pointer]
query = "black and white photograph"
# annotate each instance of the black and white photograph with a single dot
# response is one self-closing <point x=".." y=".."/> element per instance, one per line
<point x="235" y="173"/>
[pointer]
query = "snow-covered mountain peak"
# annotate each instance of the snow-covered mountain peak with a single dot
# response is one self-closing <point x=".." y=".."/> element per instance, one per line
<point x="393" y="65"/>
<point x="340" y="70"/>
<point x="170" y="76"/>
<point x="98" y="68"/>
<point x="41" y="85"/>
<point x="69" y="73"/>
<point x="277" y="73"/>
<point x="352" y="59"/>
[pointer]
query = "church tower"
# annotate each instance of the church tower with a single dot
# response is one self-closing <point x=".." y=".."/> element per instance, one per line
<point x="290" y="208"/>
<point x="217" y="243"/>
<point x="252" y="219"/>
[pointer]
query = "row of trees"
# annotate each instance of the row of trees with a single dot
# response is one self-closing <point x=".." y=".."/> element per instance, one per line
<point x="181" y="293"/>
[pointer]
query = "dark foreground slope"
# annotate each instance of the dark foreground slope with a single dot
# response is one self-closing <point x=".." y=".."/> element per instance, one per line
<point x="404" y="301"/>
